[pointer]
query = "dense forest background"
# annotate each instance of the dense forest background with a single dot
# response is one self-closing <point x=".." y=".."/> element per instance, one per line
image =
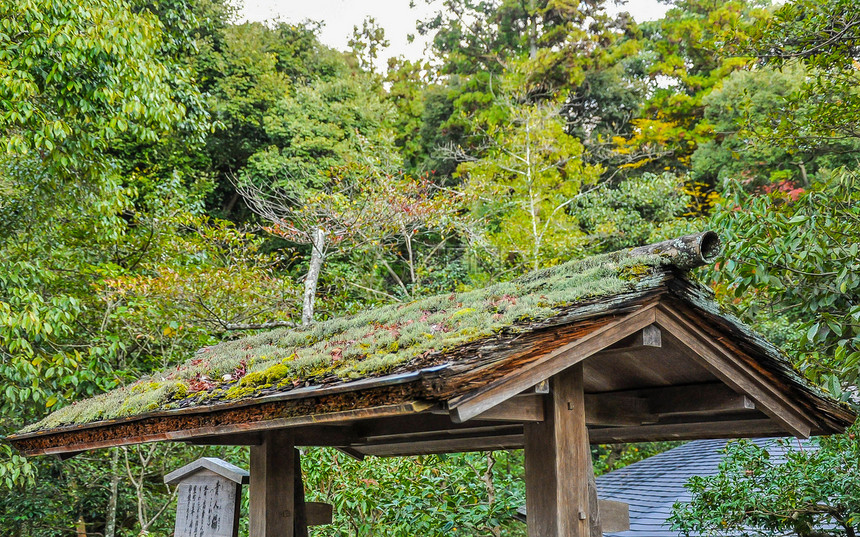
<point x="171" y="178"/>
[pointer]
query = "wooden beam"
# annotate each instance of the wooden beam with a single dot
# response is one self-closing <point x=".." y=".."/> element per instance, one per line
<point x="182" y="435"/>
<point x="644" y="406"/>
<point x="595" y="522"/>
<point x="468" y="406"/>
<point x="486" y="430"/>
<point x="731" y="370"/>
<point x="612" y="409"/>
<point x="241" y="439"/>
<point x="521" y="408"/>
<point x="697" y="399"/>
<point x="558" y="462"/>
<point x="354" y="453"/>
<point x="631" y="407"/>
<point x="422" y="426"/>
<point x="272" y="486"/>
<point x="686" y="431"/>
<point x="67" y="455"/>
<point x="650" y="336"/>
<point x="444" y="445"/>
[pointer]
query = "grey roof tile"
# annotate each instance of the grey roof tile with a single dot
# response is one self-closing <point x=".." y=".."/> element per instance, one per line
<point x="653" y="485"/>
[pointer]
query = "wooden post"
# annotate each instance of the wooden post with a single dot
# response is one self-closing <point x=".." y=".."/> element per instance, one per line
<point x="558" y="462"/>
<point x="272" y="487"/>
<point x="595" y="526"/>
<point x="300" y="527"/>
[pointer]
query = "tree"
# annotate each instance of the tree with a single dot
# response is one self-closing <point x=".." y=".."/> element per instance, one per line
<point x="813" y="493"/>
<point x="685" y="60"/>
<point x="824" y="36"/>
<point x="526" y="181"/>
<point x="78" y="78"/>
<point x="324" y="137"/>
<point x="795" y="252"/>
<point x="366" y="43"/>
<point x="246" y="70"/>
<point x="364" y="207"/>
<point x="740" y="104"/>
<point x="634" y="211"/>
<point x="557" y="37"/>
<point x="79" y="86"/>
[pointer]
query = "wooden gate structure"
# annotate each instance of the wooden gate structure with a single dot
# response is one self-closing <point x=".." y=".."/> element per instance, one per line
<point x="617" y="348"/>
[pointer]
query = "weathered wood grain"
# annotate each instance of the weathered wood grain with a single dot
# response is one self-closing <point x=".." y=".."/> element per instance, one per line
<point x="470" y="405"/>
<point x="558" y="462"/>
<point x="736" y="374"/>
<point x="748" y="428"/>
<point x="272" y="488"/>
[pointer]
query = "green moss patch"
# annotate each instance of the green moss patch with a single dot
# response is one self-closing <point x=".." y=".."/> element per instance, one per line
<point x="368" y="344"/>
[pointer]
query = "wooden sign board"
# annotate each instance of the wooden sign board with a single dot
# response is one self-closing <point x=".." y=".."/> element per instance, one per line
<point x="208" y="497"/>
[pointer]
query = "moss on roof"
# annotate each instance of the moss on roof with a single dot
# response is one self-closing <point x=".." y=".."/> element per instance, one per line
<point x="368" y="344"/>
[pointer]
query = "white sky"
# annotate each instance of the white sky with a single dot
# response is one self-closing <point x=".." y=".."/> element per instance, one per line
<point x="395" y="16"/>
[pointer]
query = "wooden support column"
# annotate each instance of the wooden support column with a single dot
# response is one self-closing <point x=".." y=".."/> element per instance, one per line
<point x="272" y="486"/>
<point x="558" y="462"/>
<point x="300" y="525"/>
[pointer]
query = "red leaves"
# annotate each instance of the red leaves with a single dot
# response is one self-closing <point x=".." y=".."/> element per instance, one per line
<point x="241" y="370"/>
<point x="786" y="188"/>
<point x="200" y="383"/>
<point x="505" y="299"/>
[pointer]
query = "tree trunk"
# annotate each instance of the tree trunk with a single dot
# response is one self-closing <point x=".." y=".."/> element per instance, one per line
<point x="110" y="522"/>
<point x="317" y="258"/>
<point x="81" y="527"/>
<point x="487" y="478"/>
<point x="532" y="30"/>
<point x="803" y="176"/>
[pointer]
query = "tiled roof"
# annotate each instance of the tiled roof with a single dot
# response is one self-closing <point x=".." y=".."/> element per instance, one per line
<point x="653" y="485"/>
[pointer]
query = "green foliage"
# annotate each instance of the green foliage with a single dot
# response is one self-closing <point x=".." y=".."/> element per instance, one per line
<point x="812" y="493"/>
<point x="683" y="50"/>
<point x="525" y="183"/>
<point x="115" y="265"/>
<point x="797" y="252"/>
<point x="746" y="109"/>
<point x="822" y="35"/>
<point x="748" y="98"/>
<point x="466" y="494"/>
<point x="639" y="210"/>
<point x="557" y="37"/>
<point x="367" y="42"/>
<point x="318" y="127"/>
<point x="99" y="84"/>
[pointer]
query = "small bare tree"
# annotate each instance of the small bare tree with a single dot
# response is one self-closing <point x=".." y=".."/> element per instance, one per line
<point x="325" y="220"/>
<point x="139" y="472"/>
<point x="362" y="205"/>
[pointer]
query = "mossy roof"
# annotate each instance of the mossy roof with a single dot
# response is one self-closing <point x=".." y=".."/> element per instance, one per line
<point x="397" y="337"/>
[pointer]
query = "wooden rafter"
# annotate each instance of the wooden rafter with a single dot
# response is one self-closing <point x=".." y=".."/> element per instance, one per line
<point x="470" y="405"/>
<point x="735" y="373"/>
